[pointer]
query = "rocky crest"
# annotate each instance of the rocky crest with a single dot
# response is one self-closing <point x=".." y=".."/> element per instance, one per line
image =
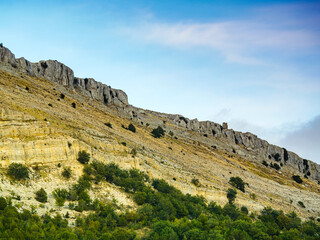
<point x="55" y="71"/>
<point x="263" y="151"/>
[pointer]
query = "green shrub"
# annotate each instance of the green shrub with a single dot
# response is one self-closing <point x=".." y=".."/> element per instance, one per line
<point x="3" y="203"/>
<point x="297" y="178"/>
<point x="158" y="132"/>
<point x="196" y="182"/>
<point x="231" y="195"/>
<point x="83" y="157"/>
<point x="18" y="171"/>
<point x="66" y="172"/>
<point x="132" y="128"/>
<point x="108" y="124"/>
<point x="41" y="196"/>
<point x="238" y="183"/>
<point x="301" y="204"/>
<point x="73" y="105"/>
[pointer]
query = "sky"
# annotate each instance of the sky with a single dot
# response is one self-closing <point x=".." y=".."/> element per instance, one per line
<point x="253" y="64"/>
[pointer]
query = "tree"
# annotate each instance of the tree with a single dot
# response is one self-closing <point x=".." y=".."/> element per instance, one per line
<point x="238" y="183"/>
<point x="41" y="196"/>
<point x="83" y="157"/>
<point x="18" y="171"/>
<point x="158" y="132"/>
<point x="231" y="195"/>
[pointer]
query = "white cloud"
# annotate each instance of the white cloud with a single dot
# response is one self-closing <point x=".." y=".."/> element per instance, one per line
<point x="237" y="41"/>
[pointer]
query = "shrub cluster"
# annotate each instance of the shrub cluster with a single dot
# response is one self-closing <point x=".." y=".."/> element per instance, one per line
<point x="18" y="171"/>
<point x="158" y="132"/>
<point x="83" y="157"/>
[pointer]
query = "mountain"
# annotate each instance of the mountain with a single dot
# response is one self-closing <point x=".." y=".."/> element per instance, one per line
<point x="48" y="116"/>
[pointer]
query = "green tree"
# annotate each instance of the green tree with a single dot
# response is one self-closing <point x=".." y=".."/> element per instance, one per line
<point x="83" y="157"/>
<point x="158" y="132"/>
<point x="238" y="183"/>
<point x="18" y="171"/>
<point x="231" y="195"/>
<point x="41" y="196"/>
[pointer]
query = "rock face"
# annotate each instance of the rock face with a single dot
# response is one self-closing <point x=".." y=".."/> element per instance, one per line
<point x="55" y="71"/>
<point x="264" y="150"/>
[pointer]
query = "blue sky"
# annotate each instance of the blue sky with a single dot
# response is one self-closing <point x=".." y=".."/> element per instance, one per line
<point x="254" y="64"/>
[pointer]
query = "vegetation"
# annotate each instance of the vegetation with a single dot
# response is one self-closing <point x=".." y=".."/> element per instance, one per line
<point x="18" y="171"/>
<point x="158" y="132"/>
<point x="297" y="178"/>
<point x="238" y="183"/>
<point x="83" y="157"/>
<point x="163" y="212"/>
<point x="275" y="166"/>
<point x="66" y="172"/>
<point x="231" y="195"/>
<point x="41" y="196"/>
<point x="108" y="124"/>
<point x="132" y="128"/>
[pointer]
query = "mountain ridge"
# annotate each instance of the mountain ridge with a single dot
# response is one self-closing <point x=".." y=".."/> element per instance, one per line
<point x="55" y="71"/>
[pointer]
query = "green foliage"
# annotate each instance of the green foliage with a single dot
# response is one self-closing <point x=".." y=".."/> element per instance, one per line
<point x="158" y="132"/>
<point x="83" y="157"/>
<point x="196" y="182"/>
<point x="275" y="166"/>
<point x="132" y="128"/>
<point x="301" y="204"/>
<point x="108" y="124"/>
<point x="297" y="178"/>
<point x="18" y="171"/>
<point x="231" y="195"/>
<point x="67" y="172"/>
<point x="163" y="213"/>
<point x="238" y="183"/>
<point x="41" y="196"/>
<point x="3" y="203"/>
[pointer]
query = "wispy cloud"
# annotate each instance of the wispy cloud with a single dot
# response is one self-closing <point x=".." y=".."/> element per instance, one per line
<point x="238" y="41"/>
<point x="306" y="140"/>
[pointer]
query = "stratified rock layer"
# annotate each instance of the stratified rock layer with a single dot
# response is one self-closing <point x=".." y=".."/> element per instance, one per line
<point x="59" y="73"/>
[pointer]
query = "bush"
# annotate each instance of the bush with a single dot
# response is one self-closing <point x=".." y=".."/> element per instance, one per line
<point x="158" y="132"/>
<point x="275" y="166"/>
<point x="62" y="96"/>
<point x="265" y="163"/>
<point x="231" y="195"/>
<point x="297" y="178"/>
<point x="196" y="182"/>
<point x="238" y="183"/>
<point x="18" y="171"/>
<point x="41" y="196"/>
<point x="73" y="105"/>
<point x="3" y="203"/>
<point x="83" y="157"/>
<point x="66" y="172"/>
<point x="301" y="204"/>
<point x="108" y="124"/>
<point x="132" y="128"/>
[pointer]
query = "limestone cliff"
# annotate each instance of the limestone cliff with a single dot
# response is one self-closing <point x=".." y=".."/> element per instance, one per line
<point x="259" y="149"/>
<point x="55" y="71"/>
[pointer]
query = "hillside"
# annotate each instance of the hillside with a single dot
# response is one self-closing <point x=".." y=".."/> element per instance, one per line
<point x="48" y="116"/>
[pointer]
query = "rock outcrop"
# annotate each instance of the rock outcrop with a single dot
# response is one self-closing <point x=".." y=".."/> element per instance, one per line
<point x="264" y="150"/>
<point x="59" y="73"/>
<point x="55" y="71"/>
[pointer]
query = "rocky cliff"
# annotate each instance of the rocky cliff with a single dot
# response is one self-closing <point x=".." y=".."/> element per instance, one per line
<point x="55" y="71"/>
<point x="260" y="149"/>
